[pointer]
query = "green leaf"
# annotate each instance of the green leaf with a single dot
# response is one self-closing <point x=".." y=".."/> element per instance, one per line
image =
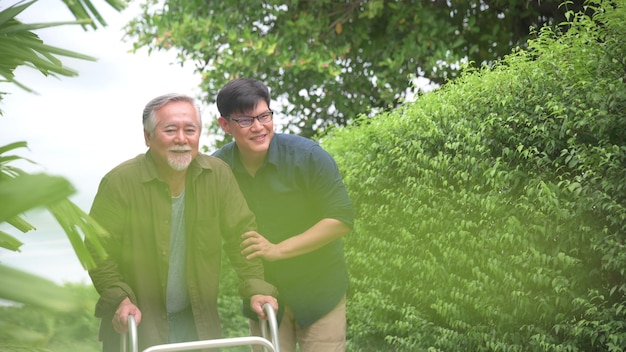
<point x="26" y="192"/>
<point x="20" y="224"/>
<point x="9" y="242"/>
<point x="22" y="287"/>
<point x="74" y="222"/>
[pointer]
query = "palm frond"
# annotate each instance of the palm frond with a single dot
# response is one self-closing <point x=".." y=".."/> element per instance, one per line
<point x="84" y="9"/>
<point x="20" y="286"/>
<point x="74" y="221"/>
<point x="20" y="46"/>
<point x="9" y="242"/>
<point x="26" y="192"/>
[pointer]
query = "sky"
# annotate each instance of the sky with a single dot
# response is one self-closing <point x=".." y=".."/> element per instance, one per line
<point x="81" y="127"/>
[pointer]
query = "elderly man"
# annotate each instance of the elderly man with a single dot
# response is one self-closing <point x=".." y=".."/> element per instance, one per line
<point x="169" y="212"/>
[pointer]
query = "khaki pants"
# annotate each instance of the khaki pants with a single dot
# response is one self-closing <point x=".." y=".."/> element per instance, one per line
<point x="328" y="334"/>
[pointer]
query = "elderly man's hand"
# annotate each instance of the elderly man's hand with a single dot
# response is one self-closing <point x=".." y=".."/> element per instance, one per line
<point x="258" y="301"/>
<point x="120" y="319"/>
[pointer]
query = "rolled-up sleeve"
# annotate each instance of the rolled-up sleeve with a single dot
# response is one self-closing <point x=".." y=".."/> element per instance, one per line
<point x="328" y="188"/>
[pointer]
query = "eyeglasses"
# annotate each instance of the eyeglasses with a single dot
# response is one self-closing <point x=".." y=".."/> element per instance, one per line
<point x="247" y="121"/>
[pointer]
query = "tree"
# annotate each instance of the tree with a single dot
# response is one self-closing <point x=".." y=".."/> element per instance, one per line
<point x="20" y="191"/>
<point x="331" y="61"/>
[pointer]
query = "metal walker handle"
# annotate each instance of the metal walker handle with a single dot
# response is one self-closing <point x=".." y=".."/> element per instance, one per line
<point x="273" y="326"/>
<point x="131" y="338"/>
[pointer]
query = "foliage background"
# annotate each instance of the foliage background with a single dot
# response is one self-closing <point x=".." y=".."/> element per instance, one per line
<point x="21" y="191"/>
<point x="333" y="60"/>
<point x="491" y="213"/>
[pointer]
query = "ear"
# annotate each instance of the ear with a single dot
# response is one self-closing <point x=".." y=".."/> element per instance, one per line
<point x="146" y="138"/>
<point x="224" y="124"/>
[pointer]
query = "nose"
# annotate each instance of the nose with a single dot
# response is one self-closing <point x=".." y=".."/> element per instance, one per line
<point x="180" y="137"/>
<point x="256" y="124"/>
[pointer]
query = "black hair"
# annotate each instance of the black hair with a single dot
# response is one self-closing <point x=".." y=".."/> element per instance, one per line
<point x="241" y="95"/>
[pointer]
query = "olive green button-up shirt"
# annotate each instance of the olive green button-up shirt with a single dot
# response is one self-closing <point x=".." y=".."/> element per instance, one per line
<point x="134" y="205"/>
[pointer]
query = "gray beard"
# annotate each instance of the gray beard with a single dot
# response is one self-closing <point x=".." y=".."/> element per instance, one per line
<point x="180" y="163"/>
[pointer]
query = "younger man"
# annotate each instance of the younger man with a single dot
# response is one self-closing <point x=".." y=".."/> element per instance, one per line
<point x="302" y="208"/>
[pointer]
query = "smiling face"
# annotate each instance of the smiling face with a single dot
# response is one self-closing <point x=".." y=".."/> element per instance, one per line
<point x="254" y="141"/>
<point x="176" y="136"/>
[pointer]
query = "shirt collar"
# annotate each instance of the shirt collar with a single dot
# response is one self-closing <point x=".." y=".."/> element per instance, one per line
<point x="272" y="156"/>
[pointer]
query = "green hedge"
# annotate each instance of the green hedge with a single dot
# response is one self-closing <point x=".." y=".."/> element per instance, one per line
<point x="491" y="212"/>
